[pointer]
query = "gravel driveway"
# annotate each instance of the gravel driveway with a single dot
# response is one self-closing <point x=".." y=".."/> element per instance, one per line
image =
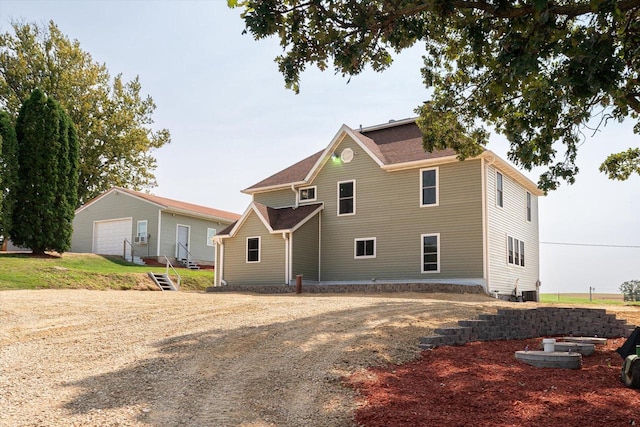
<point x="127" y="358"/>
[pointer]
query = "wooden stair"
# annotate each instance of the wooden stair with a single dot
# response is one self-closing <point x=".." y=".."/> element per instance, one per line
<point x="163" y="281"/>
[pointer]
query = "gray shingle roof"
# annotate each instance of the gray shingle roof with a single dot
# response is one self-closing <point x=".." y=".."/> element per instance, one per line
<point x="392" y="144"/>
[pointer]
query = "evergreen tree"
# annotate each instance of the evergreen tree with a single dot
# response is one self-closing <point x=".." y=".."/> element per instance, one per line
<point x="113" y="117"/>
<point x="46" y="189"/>
<point x="8" y="169"/>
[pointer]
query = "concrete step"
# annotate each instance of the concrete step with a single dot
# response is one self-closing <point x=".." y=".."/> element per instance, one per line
<point x="550" y="359"/>
<point x="575" y="347"/>
<point x="584" y="340"/>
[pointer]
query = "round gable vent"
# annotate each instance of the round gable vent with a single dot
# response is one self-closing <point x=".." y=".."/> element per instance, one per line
<point x="347" y="155"/>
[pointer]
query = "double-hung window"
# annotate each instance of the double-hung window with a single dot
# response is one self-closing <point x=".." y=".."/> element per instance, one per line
<point x="364" y="248"/>
<point x="141" y="233"/>
<point x="142" y="229"/>
<point x="430" y="253"/>
<point x="346" y="198"/>
<point x="253" y="249"/>
<point x="515" y="251"/>
<point x="499" y="190"/>
<point x="429" y="187"/>
<point x="211" y="233"/>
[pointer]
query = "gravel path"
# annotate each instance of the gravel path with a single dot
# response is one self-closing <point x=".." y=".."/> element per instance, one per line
<point x="127" y="358"/>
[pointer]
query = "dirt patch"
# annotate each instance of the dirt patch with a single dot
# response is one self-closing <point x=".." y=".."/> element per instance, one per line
<point x="129" y="358"/>
<point x="482" y="384"/>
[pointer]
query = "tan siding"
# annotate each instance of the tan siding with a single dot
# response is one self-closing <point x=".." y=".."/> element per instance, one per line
<point x="510" y="220"/>
<point x="387" y="207"/>
<point x="270" y="269"/>
<point x="197" y="236"/>
<point x="305" y="250"/>
<point x="276" y="199"/>
<point x="113" y="206"/>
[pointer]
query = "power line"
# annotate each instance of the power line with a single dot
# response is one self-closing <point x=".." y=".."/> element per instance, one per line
<point x="591" y="244"/>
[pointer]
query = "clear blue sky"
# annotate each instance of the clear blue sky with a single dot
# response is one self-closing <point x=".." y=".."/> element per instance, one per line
<point x="233" y="123"/>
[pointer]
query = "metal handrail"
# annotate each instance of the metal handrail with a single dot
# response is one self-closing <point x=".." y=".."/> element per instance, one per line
<point x="124" y="249"/>
<point x="186" y="250"/>
<point x="174" y="270"/>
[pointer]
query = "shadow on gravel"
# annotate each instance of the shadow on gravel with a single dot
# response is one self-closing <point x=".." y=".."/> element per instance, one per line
<point x="285" y="373"/>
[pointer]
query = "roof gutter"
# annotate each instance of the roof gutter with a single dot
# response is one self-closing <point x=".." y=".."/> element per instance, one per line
<point x="419" y="163"/>
<point x="251" y="191"/>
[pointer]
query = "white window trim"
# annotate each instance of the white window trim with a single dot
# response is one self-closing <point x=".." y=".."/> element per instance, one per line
<point x="210" y="240"/>
<point x="364" y="239"/>
<point x="338" y="197"/>
<point x="529" y="206"/>
<point x="146" y="227"/>
<point x="437" y="203"/>
<point x="246" y="251"/>
<point x="315" y="193"/>
<point x="501" y="190"/>
<point x="520" y="244"/>
<point x="422" y="236"/>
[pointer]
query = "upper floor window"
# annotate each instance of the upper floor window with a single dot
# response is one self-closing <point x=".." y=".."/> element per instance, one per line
<point x="211" y="233"/>
<point x="515" y="251"/>
<point x="347" y="198"/>
<point x="430" y="253"/>
<point x="365" y="248"/>
<point x="499" y="190"/>
<point x="253" y="249"/>
<point x="429" y="187"/>
<point x="528" y="206"/>
<point x="307" y="194"/>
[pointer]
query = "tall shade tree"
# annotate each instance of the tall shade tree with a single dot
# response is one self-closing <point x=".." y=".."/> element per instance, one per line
<point x="8" y="169"/>
<point x="543" y="73"/>
<point x="113" y="119"/>
<point x="44" y="196"/>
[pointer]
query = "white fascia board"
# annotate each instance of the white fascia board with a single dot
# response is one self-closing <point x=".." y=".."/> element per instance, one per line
<point x="118" y="191"/>
<point x="272" y="188"/>
<point x="264" y="220"/>
<point x="326" y="154"/>
<point x="421" y="163"/>
<point x="389" y="124"/>
<point x="512" y="172"/>
<point x="308" y="218"/>
<point x="241" y="221"/>
<point x="335" y="142"/>
<point x="198" y="215"/>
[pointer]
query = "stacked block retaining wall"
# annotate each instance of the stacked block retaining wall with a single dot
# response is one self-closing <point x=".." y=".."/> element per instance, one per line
<point x="365" y="288"/>
<point x="516" y="324"/>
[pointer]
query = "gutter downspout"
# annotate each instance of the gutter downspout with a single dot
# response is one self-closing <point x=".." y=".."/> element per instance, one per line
<point x="293" y="188"/>
<point x="485" y="221"/>
<point x="286" y="258"/>
<point x="221" y="269"/>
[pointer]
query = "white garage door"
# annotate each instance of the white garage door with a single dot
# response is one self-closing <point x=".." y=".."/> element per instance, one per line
<point x="108" y="236"/>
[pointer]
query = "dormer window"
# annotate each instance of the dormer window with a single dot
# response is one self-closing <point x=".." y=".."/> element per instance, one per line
<point x="307" y="194"/>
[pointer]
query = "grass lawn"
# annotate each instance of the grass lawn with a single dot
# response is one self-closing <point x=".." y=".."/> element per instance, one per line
<point x="578" y="298"/>
<point x="87" y="271"/>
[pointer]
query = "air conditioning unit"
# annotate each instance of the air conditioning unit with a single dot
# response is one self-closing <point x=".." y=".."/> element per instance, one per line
<point x="141" y="240"/>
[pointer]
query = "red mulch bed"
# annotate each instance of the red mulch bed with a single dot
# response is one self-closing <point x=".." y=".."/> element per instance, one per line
<point x="482" y="384"/>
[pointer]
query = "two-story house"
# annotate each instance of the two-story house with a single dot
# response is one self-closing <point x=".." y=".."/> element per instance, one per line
<point x="375" y="207"/>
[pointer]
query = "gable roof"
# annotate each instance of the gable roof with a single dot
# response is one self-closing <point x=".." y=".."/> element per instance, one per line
<point x="170" y="205"/>
<point x="293" y="174"/>
<point x="393" y="146"/>
<point x="277" y="220"/>
<point x="389" y="144"/>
